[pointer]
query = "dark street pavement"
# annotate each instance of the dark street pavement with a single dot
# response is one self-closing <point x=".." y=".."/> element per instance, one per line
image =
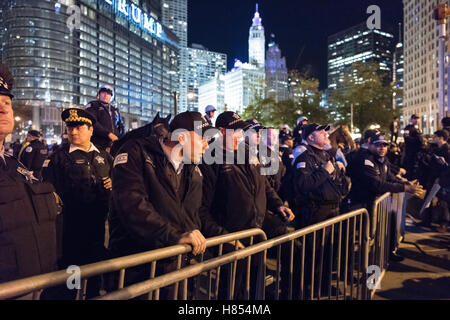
<point x="425" y="272"/>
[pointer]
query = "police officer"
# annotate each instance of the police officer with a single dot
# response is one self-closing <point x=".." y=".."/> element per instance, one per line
<point x="413" y="145"/>
<point x="157" y="194"/>
<point x="319" y="180"/>
<point x="301" y="122"/>
<point x="80" y="173"/>
<point x="320" y="185"/>
<point x="236" y="192"/>
<point x="109" y="126"/>
<point x="372" y="178"/>
<point x="210" y="110"/>
<point x="28" y="208"/>
<point x="33" y="153"/>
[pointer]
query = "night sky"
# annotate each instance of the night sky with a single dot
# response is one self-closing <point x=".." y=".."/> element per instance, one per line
<point x="223" y="26"/>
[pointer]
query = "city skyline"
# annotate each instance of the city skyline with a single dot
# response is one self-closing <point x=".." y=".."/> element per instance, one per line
<point x="309" y="49"/>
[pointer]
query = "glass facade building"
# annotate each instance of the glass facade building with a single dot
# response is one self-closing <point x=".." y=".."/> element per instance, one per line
<point x="276" y="74"/>
<point x="203" y="66"/>
<point x="59" y="62"/>
<point x="358" y="44"/>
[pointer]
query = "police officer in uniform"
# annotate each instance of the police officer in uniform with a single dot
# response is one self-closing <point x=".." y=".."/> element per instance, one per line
<point x="28" y="208"/>
<point x="320" y="185"/>
<point x="301" y="122"/>
<point x="413" y="145"/>
<point x="237" y="194"/>
<point x="80" y="173"/>
<point x="319" y="180"/>
<point x="33" y="153"/>
<point x="109" y="126"/>
<point x="157" y="194"/>
<point x="209" y="110"/>
<point x="372" y="177"/>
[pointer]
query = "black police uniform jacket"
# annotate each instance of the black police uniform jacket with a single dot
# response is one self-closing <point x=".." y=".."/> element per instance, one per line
<point x="78" y="180"/>
<point x="28" y="211"/>
<point x="105" y="123"/>
<point x="237" y="195"/>
<point x="33" y="157"/>
<point x="413" y="144"/>
<point x="313" y="184"/>
<point x="151" y="206"/>
<point x="372" y="177"/>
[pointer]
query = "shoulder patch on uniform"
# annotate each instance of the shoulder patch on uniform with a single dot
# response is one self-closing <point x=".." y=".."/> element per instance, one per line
<point x="301" y="165"/>
<point x="29" y="149"/>
<point x="46" y="163"/>
<point x="297" y="152"/>
<point x="120" y="159"/>
<point x="369" y="163"/>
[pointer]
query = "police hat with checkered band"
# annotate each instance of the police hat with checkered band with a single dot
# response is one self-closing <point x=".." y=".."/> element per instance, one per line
<point x="190" y="121"/>
<point x="6" y="81"/>
<point x="76" y="117"/>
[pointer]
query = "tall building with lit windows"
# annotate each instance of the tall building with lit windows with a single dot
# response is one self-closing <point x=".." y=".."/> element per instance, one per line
<point x="120" y="43"/>
<point x="421" y="76"/>
<point x="257" y="42"/>
<point x="358" y="44"/>
<point x="204" y="65"/>
<point x="175" y="17"/>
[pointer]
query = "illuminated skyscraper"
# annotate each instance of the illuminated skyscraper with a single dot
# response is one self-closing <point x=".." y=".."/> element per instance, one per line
<point x="276" y="73"/>
<point x="257" y="42"/>
<point x="175" y="17"/>
<point x="203" y="66"/>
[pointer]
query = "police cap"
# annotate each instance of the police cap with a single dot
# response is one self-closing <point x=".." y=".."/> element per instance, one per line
<point x="6" y="81"/>
<point x="75" y="117"/>
<point x="190" y="121"/>
<point x="230" y="120"/>
<point x="310" y="128"/>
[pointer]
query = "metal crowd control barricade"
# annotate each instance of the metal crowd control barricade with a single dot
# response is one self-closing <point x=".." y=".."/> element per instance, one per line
<point x="34" y="285"/>
<point x="387" y="218"/>
<point x="346" y="238"/>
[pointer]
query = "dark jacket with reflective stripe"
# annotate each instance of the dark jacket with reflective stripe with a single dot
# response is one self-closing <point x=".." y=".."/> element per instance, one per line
<point x="237" y="195"/>
<point x="151" y="207"/>
<point x="313" y="183"/>
<point x="371" y="178"/>
<point x="27" y="224"/>
<point x="33" y="157"/>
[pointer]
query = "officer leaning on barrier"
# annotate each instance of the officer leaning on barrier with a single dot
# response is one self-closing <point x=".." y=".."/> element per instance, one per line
<point x="80" y="173"/>
<point x="372" y="177"/>
<point x="157" y="194"/>
<point x="33" y="153"/>
<point x="109" y="126"/>
<point x="28" y="208"/>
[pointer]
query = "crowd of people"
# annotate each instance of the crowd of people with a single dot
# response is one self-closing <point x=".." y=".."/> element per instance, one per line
<point x="156" y="188"/>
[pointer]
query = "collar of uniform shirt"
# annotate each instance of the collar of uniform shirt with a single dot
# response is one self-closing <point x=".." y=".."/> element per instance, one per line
<point x="74" y="148"/>
<point x="175" y="160"/>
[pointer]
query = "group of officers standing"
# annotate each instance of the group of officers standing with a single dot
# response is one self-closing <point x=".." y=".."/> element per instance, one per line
<point x="155" y="191"/>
